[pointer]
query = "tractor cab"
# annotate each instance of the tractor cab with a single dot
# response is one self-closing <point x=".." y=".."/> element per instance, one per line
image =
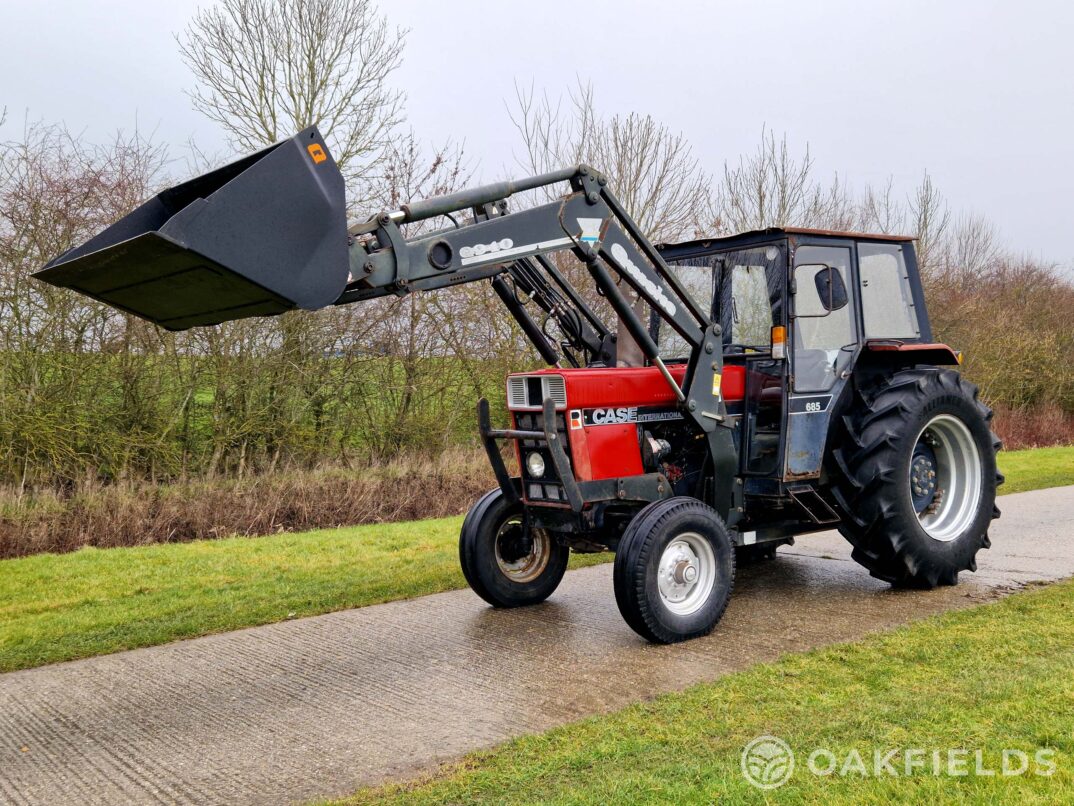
<point x="798" y="308"/>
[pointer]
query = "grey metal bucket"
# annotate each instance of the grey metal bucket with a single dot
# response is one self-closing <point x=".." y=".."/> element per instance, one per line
<point x="258" y="237"/>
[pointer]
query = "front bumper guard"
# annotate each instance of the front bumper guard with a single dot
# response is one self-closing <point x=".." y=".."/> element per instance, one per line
<point x="645" y="488"/>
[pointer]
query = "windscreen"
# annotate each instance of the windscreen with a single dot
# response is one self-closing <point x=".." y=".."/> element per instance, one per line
<point x="751" y="296"/>
<point x="697" y="276"/>
<point x="741" y="288"/>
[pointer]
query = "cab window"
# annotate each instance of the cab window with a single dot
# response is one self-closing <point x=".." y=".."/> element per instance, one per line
<point x="751" y="312"/>
<point x="887" y="302"/>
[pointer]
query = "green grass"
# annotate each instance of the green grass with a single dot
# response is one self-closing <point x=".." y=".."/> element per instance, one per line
<point x="995" y="677"/>
<point x="1036" y="469"/>
<point x="91" y="602"/>
<point x="62" y="606"/>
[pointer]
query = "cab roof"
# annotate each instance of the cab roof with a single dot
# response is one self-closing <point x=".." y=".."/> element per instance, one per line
<point x="775" y="232"/>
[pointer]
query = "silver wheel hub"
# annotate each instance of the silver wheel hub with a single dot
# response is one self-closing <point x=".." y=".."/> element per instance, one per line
<point x="686" y="573"/>
<point x="951" y="483"/>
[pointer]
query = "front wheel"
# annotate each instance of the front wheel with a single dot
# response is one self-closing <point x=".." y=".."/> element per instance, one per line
<point x="674" y="570"/>
<point x="506" y="562"/>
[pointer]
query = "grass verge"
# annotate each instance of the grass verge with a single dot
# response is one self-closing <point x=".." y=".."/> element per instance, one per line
<point x="1036" y="469"/>
<point x="993" y="678"/>
<point x="94" y="601"/>
<point x="132" y="514"/>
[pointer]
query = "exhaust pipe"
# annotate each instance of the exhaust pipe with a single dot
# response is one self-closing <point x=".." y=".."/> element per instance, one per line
<point x="261" y="236"/>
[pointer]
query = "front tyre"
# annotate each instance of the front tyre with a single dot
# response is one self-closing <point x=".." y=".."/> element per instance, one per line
<point x="916" y="478"/>
<point x="674" y="570"/>
<point x="506" y="562"/>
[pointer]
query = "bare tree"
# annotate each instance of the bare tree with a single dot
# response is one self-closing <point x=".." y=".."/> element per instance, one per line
<point x="974" y="245"/>
<point x="652" y="169"/>
<point x="930" y="217"/>
<point x="773" y="188"/>
<point x="418" y="346"/>
<point x="880" y="209"/>
<point x="76" y="379"/>
<point x="268" y="68"/>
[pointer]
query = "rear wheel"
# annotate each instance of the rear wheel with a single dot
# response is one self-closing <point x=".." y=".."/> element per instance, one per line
<point x="916" y="478"/>
<point x="674" y="570"/>
<point x="505" y="561"/>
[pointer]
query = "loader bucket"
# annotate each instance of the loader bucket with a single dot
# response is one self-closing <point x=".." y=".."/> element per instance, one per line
<point x="258" y="237"/>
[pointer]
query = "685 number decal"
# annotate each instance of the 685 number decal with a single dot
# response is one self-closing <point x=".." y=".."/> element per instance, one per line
<point x="814" y="404"/>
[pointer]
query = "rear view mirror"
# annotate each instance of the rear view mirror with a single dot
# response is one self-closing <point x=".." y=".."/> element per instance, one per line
<point x="831" y="291"/>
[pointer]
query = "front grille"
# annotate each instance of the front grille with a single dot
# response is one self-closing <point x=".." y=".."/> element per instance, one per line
<point x="516" y="392"/>
<point x="530" y="391"/>
<point x="556" y="388"/>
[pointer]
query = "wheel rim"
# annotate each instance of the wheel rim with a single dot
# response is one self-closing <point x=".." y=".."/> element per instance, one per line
<point x="686" y="573"/>
<point x="945" y="478"/>
<point x="521" y="554"/>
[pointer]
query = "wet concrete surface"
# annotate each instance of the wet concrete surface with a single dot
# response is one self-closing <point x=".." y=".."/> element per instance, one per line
<point x="321" y="706"/>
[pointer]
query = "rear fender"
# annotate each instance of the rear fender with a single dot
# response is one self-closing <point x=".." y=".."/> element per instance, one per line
<point x="894" y="353"/>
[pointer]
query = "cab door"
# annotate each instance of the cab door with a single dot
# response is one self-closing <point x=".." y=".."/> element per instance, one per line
<point x="752" y="293"/>
<point x="823" y="343"/>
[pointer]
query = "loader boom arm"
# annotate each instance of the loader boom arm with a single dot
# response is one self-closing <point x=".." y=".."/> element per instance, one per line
<point x="589" y="223"/>
<point x="267" y="234"/>
<point x="514" y="247"/>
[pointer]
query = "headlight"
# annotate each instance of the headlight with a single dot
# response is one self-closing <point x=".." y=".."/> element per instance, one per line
<point x="535" y="465"/>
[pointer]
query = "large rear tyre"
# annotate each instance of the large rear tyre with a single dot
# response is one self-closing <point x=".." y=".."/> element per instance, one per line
<point x="674" y="570"/>
<point x="506" y="562"/>
<point x="916" y="478"/>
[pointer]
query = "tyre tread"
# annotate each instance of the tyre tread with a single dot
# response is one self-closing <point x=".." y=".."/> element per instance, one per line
<point x="863" y="469"/>
<point x="634" y="552"/>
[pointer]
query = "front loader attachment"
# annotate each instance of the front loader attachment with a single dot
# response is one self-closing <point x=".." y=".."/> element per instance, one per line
<point x="258" y="237"/>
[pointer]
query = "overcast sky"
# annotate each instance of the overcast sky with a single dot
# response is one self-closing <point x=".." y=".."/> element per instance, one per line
<point x="980" y="94"/>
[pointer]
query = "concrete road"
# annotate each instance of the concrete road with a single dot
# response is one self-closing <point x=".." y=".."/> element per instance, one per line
<point x="320" y="706"/>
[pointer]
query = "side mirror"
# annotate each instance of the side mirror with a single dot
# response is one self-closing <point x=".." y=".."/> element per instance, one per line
<point x="831" y="290"/>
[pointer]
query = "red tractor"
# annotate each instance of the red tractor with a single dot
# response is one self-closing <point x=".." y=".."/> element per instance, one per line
<point x="749" y="389"/>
